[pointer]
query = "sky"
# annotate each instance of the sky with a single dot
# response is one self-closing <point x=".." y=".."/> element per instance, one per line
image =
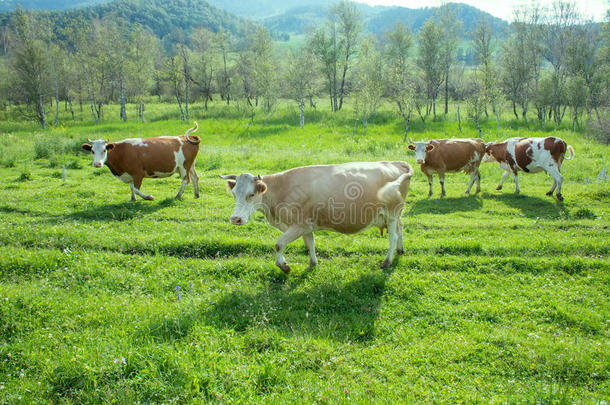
<point x="591" y="9"/>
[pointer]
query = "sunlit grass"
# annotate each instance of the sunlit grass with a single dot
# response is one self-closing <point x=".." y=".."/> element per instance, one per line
<point x="498" y="298"/>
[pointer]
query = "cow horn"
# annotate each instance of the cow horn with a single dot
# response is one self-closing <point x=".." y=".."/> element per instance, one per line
<point x="259" y="177"/>
<point x="228" y="177"/>
<point x="108" y="140"/>
<point x="89" y="140"/>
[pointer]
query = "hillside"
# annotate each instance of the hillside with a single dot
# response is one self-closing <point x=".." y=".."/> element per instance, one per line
<point x="378" y="20"/>
<point x="168" y="19"/>
<point x="9" y="5"/>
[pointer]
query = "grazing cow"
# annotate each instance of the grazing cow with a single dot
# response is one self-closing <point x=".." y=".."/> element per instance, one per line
<point x="450" y="155"/>
<point x="531" y="155"/>
<point x="131" y="160"/>
<point x="345" y="198"/>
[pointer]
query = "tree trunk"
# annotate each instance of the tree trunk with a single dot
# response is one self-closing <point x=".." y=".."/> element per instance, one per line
<point x="458" y="115"/>
<point x="301" y="113"/>
<point x="123" y="99"/>
<point x="56" y="100"/>
<point x="177" y="94"/>
<point x="41" y="113"/>
<point x="515" y="110"/>
<point x="407" y="127"/>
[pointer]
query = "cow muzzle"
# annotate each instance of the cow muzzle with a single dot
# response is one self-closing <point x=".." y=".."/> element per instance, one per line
<point x="235" y="220"/>
<point x="97" y="164"/>
<point x="420" y="161"/>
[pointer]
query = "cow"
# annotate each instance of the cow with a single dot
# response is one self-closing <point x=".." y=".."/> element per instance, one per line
<point x="450" y="155"/>
<point x="530" y="155"/>
<point x="131" y="160"/>
<point x="345" y="198"/>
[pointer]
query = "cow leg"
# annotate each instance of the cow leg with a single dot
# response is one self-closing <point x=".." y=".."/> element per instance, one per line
<point x="430" y="179"/>
<point x="185" y="181"/>
<point x="291" y="234"/>
<point x="195" y="178"/>
<point x="133" y="193"/>
<point x="502" y="180"/>
<point x="400" y="248"/>
<point x="311" y="247"/>
<point x="554" y="171"/>
<point x="550" y="192"/>
<point x="517" y="190"/>
<point x="473" y="177"/>
<point x="392" y="230"/>
<point x="441" y="179"/>
<point x="478" y="181"/>
<point x="135" y="188"/>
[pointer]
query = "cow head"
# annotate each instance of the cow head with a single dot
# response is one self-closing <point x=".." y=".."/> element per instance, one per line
<point x="248" y="191"/>
<point x="99" y="149"/>
<point x="420" y="149"/>
<point x="493" y="151"/>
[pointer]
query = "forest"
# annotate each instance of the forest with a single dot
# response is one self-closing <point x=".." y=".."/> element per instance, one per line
<point x="552" y="68"/>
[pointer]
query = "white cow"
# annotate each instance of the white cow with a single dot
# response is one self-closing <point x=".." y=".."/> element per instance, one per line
<point x="345" y="198"/>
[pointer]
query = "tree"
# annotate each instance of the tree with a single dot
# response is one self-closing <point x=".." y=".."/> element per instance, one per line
<point x="204" y="45"/>
<point x="301" y="79"/>
<point x="399" y="79"/>
<point x="430" y="38"/>
<point x="141" y="65"/>
<point x="450" y="36"/>
<point x="29" y="62"/>
<point x="368" y="83"/>
<point x="483" y="53"/>
<point x="224" y="78"/>
<point x="557" y="37"/>
<point x="334" y="45"/>
<point x="475" y="96"/>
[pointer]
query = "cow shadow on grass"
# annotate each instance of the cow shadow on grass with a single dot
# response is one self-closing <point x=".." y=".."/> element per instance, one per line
<point x="531" y="207"/>
<point x="445" y="205"/>
<point x="119" y="211"/>
<point x="331" y="310"/>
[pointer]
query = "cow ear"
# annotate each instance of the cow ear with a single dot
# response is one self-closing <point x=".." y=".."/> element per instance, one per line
<point x="429" y="147"/>
<point x="231" y="184"/>
<point x="86" y="147"/>
<point x="260" y="187"/>
<point x="412" y="147"/>
<point x="109" y="146"/>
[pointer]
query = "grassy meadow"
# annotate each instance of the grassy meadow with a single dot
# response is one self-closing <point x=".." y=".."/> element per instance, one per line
<point x="499" y="298"/>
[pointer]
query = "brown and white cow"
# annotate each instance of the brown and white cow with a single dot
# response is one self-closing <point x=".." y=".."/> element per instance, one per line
<point x="345" y="198"/>
<point x="131" y="160"/>
<point x="530" y="155"/>
<point x="450" y="155"/>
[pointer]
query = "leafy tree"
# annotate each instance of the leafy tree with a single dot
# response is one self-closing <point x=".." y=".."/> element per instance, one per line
<point x="368" y="83"/>
<point x="399" y="76"/>
<point x="29" y="63"/>
<point x="429" y="60"/>
<point x="301" y="79"/>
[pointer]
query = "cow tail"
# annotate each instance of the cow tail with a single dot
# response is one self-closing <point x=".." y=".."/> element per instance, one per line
<point x="195" y="139"/>
<point x="571" y="150"/>
<point x="392" y="192"/>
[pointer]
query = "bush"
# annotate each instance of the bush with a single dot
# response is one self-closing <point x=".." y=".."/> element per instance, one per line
<point x="600" y="132"/>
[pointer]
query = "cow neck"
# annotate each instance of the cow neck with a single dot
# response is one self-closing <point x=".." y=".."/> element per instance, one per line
<point x="109" y="164"/>
<point x="268" y="196"/>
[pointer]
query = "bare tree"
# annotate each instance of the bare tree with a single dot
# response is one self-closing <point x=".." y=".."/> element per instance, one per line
<point x="301" y="79"/>
<point x="368" y="83"/>
<point x="429" y="60"/>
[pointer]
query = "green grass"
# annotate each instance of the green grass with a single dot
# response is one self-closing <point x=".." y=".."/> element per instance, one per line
<point x="498" y="298"/>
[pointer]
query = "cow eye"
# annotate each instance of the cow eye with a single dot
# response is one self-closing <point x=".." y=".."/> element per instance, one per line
<point x="250" y="195"/>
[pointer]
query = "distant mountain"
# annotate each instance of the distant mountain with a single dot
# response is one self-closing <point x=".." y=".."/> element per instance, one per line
<point x="257" y="9"/>
<point x="9" y="5"/>
<point x="168" y="19"/>
<point x="379" y="19"/>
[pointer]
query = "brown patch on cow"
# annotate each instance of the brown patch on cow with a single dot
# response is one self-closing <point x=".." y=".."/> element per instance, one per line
<point x="556" y="147"/>
<point x="523" y="154"/>
<point x="451" y="155"/>
<point x="498" y="151"/>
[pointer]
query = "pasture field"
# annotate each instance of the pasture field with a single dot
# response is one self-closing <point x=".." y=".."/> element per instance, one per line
<point x="498" y="297"/>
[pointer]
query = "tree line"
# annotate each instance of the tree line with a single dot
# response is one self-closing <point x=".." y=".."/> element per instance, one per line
<point x="553" y="67"/>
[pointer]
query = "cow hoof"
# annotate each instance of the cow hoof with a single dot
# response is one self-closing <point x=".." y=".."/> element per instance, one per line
<point x="400" y="252"/>
<point x="196" y="195"/>
<point x="549" y="193"/>
<point x="149" y="198"/>
<point x="284" y="267"/>
<point x="312" y="265"/>
<point x="386" y="263"/>
<point x="499" y="188"/>
<point x="559" y="197"/>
